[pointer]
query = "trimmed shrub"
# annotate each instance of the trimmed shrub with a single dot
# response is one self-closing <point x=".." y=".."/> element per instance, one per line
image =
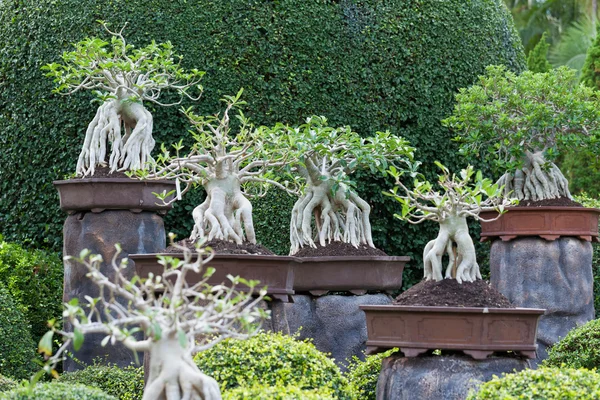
<point x="590" y="73"/>
<point x="34" y="278"/>
<point x="537" y="60"/>
<point x="543" y="383"/>
<point x="271" y="359"/>
<point x="372" y="64"/>
<point x="280" y="392"/>
<point x="17" y="348"/>
<point x="123" y="383"/>
<point x="363" y="375"/>
<point x="57" y="391"/>
<point x="7" y="383"/>
<point x="579" y="349"/>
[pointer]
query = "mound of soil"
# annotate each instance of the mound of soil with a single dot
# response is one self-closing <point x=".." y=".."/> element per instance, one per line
<point x="450" y="293"/>
<point x="223" y="247"/>
<point x="561" y="201"/>
<point x="338" y="249"/>
<point x="104" y="172"/>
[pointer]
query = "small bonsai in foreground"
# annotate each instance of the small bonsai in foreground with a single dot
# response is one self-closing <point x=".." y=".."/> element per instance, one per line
<point x="460" y="197"/>
<point x="177" y="319"/>
<point x="519" y="123"/>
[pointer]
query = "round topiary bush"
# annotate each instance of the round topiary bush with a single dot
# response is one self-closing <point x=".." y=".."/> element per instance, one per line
<point x="17" y="348"/>
<point x="370" y="64"/>
<point x="543" y="383"/>
<point x="57" y="391"/>
<point x="363" y="375"/>
<point x="579" y="349"/>
<point x="271" y="359"/>
<point x="279" y="392"/>
<point x="123" y="383"/>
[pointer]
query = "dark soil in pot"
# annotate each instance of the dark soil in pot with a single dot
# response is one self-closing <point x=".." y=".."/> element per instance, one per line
<point x="223" y="247"/>
<point x="338" y="249"/>
<point x="104" y="172"/>
<point x="450" y="293"/>
<point x="561" y="201"/>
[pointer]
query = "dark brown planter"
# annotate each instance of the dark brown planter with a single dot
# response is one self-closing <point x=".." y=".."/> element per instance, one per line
<point x="319" y="275"/>
<point x="99" y="194"/>
<point x="549" y="223"/>
<point x="477" y="332"/>
<point x="275" y="272"/>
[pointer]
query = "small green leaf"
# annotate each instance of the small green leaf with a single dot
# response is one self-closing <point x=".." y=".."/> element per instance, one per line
<point x="181" y="336"/>
<point x="45" y="345"/>
<point x="77" y="339"/>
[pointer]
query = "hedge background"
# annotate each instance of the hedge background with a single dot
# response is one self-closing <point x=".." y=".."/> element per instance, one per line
<point x="372" y="64"/>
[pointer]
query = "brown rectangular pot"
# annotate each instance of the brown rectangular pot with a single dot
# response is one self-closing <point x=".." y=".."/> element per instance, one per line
<point x="356" y="274"/>
<point x="477" y="332"/>
<point x="275" y="272"/>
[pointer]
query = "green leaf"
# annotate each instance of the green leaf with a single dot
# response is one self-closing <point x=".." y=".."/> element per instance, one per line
<point x="45" y="345"/>
<point x="77" y="339"/>
<point x="181" y="336"/>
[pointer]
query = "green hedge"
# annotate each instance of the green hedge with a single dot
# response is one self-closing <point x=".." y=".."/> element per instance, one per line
<point x="7" y="384"/>
<point x="34" y="278"/>
<point x="372" y="64"/>
<point x="57" y="391"/>
<point x="271" y="359"/>
<point x="579" y="349"/>
<point x="123" y="383"/>
<point x="363" y="375"/>
<point x="17" y="348"/>
<point x="280" y="392"/>
<point x="542" y="384"/>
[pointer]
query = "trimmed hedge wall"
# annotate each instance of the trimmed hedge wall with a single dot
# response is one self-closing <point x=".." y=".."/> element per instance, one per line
<point x="372" y="64"/>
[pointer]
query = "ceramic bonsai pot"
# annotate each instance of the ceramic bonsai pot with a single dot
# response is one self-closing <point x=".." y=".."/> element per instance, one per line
<point x="99" y="194"/>
<point x="355" y="274"/>
<point x="275" y="272"/>
<point x="549" y="223"/>
<point x="477" y="332"/>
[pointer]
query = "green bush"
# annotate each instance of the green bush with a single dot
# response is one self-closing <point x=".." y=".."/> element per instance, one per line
<point x="34" y="278"/>
<point x="271" y="359"/>
<point x="537" y="60"/>
<point x="590" y="73"/>
<point x="579" y="349"/>
<point x="7" y="383"/>
<point x="542" y="384"/>
<point x="371" y="64"/>
<point x="17" y="348"/>
<point x="280" y="392"/>
<point x="123" y="383"/>
<point x="57" y="391"/>
<point x="363" y="375"/>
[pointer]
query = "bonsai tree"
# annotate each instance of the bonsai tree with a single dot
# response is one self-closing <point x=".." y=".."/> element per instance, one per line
<point x="519" y="123"/>
<point x="178" y="320"/>
<point x="122" y="77"/>
<point x="327" y="157"/>
<point x="460" y="197"/>
<point x="229" y="167"/>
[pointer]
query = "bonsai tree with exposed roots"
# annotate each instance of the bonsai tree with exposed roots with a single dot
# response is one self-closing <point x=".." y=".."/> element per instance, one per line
<point x="231" y="168"/>
<point x="178" y="320"/>
<point x="122" y="77"/>
<point x="460" y="197"/>
<point x="326" y="158"/>
<point x="519" y="123"/>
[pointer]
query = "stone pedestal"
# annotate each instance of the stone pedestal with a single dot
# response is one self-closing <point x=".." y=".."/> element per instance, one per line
<point x="142" y="232"/>
<point x="439" y="377"/>
<point x="555" y="275"/>
<point x="334" y="322"/>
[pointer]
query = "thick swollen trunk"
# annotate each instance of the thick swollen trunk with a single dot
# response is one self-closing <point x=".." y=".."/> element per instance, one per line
<point x="454" y="240"/>
<point x="174" y="376"/>
<point x="341" y="217"/>
<point x="538" y="179"/>
<point x="130" y="151"/>
<point x="225" y="214"/>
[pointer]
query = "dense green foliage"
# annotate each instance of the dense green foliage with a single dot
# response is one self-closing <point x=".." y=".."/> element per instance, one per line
<point x="543" y="383"/>
<point x="57" y="391"/>
<point x="537" y="59"/>
<point x="278" y="392"/>
<point x="579" y="349"/>
<point x="34" y="278"/>
<point x="590" y="73"/>
<point x="363" y="375"/>
<point x="271" y="359"/>
<point x="17" y="348"/>
<point x="7" y="383"/>
<point x="123" y="383"/>
<point x="373" y="65"/>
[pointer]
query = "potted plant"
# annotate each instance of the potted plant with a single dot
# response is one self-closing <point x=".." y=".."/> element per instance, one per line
<point x="177" y="319"/>
<point x="122" y="77"/>
<point x="477" y="331"/>
<point x="519" y="123"/>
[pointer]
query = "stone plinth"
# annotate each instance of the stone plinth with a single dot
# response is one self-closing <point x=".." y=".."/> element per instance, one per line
<point x="555" y="275"/>
<point x="439" y="377"/>
<point x="142" y="232"/>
